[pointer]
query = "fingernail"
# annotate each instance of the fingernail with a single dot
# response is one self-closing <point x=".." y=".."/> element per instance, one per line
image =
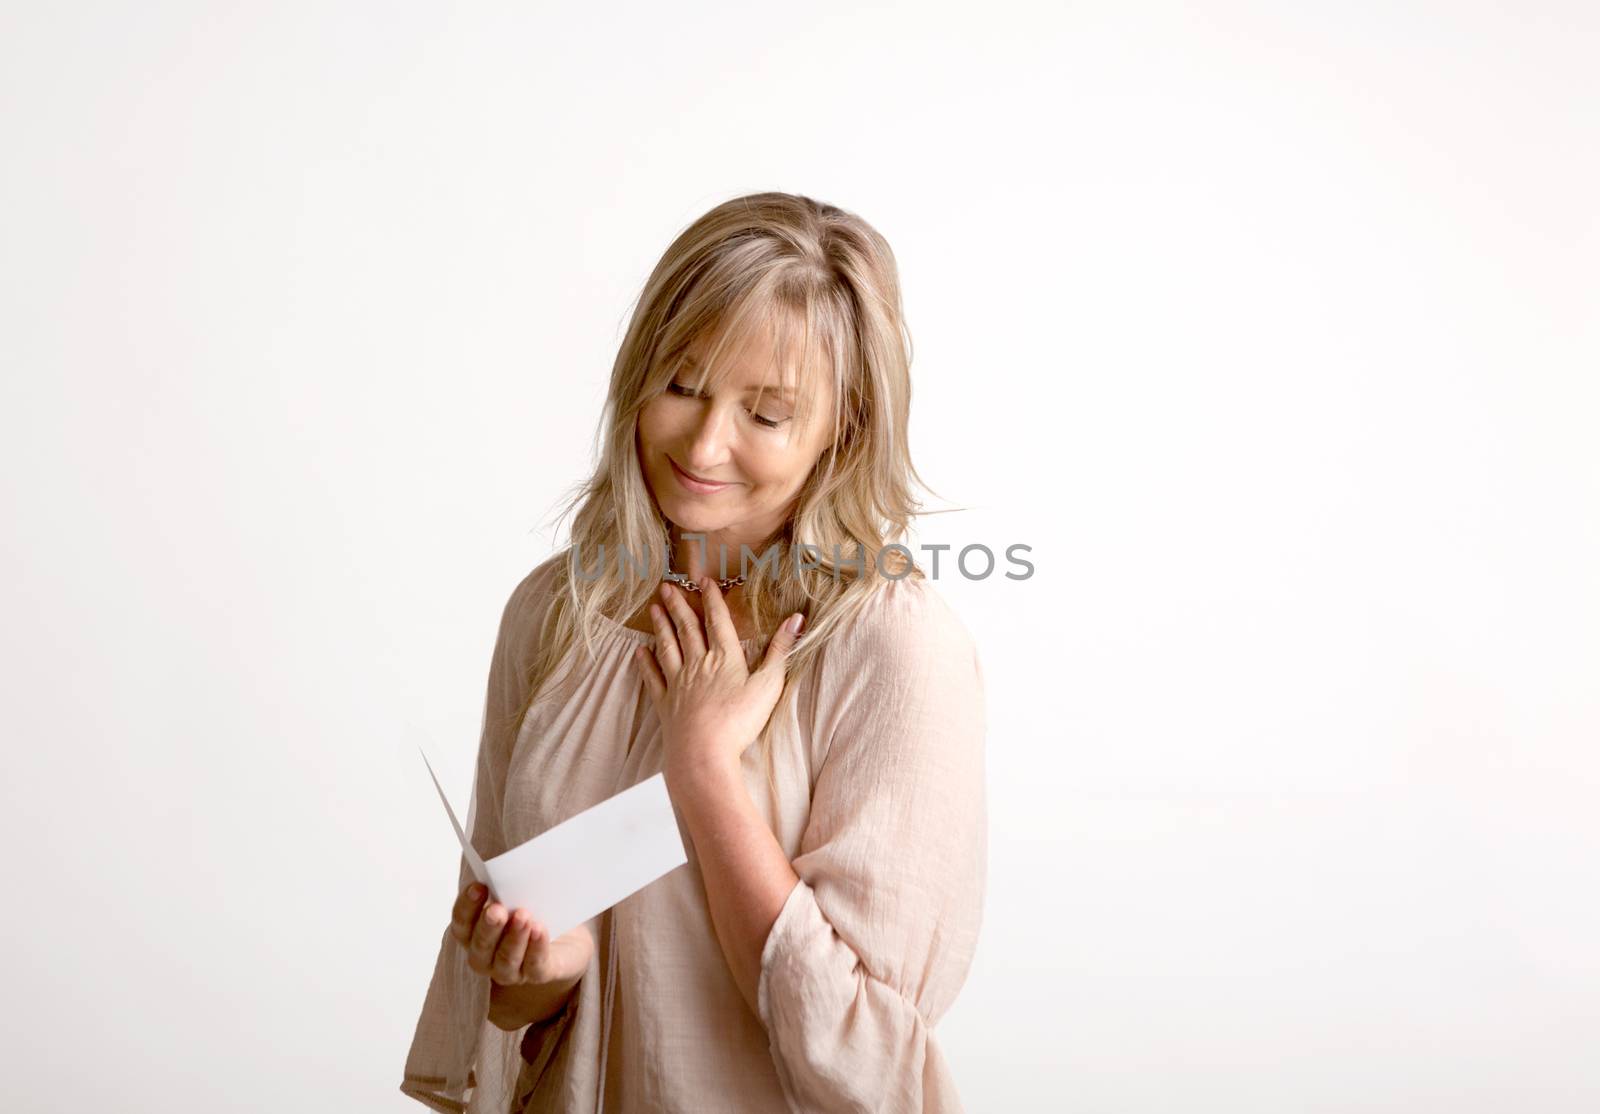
<point x="796" y="623"/>
<point x="475" y="891"/>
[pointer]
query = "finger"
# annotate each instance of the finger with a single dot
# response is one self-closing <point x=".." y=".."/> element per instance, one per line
<point x="653" y="679"/>
<point x="782" y="641"/>
<point x="719" y="621"/>
<point x="538" y="953"/>
<point x="691" y="635"/>
<point x="667" y="651"/>
<point x="464" y="914"/>
<point x="486" y="937"/>
<point x="506" y="967"/>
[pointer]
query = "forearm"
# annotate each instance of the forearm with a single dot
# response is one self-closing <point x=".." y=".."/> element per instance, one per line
<point x="515" y="1007"/>
<point x="747" y="875"/>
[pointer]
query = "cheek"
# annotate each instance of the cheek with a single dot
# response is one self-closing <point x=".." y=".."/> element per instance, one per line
<point x="654" y="423"/>
<point x="779" y="470"/>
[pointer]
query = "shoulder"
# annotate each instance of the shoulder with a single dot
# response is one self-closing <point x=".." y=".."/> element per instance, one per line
<point x="540" y="583"/>
<point x="525" y="606"/>
<point x="901" y="684"/>
<point x="905" y="634"/>
<point x="904" y="620"/>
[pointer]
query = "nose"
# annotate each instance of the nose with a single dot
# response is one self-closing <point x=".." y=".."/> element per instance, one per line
<point x="708" y="442"/>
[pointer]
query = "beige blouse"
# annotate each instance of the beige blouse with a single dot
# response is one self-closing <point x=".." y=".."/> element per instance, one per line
<point x="881" y="808"/>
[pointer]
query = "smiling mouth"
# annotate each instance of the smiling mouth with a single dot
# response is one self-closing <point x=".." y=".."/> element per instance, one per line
<point x="695" y="483"/>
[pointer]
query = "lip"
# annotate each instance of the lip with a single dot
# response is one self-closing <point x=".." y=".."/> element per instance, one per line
<point x="698" y="486"/>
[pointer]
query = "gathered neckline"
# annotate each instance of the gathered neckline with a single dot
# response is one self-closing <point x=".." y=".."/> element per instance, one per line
<point x="642" y="636"/>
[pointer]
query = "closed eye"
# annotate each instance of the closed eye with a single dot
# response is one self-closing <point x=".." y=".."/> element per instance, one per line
<point x="687" y="392"/>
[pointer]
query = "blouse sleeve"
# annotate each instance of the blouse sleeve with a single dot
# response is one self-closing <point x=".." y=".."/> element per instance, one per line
<point x="459" y="1061"/>
<point x="875" y="940"/>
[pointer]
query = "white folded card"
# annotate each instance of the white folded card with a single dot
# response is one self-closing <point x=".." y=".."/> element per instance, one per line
<point x="585" y="864"/>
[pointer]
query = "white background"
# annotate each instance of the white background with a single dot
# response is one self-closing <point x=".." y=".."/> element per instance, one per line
<point x="1272" y="329"/>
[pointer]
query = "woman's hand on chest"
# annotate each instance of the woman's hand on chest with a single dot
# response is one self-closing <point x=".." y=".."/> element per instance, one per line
<point x="710" y="703"/>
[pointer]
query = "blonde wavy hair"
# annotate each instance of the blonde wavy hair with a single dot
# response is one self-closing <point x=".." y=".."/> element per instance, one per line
<point x="777" y="267"/>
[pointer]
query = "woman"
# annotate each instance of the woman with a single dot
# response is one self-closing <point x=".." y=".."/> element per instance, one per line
<point x="831" y="901"/>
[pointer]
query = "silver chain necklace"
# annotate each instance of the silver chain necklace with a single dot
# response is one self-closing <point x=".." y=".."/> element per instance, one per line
<point x="683" y="580"/>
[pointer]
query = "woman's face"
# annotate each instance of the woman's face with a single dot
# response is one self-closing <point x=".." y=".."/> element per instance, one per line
<point x="753" y="458"/>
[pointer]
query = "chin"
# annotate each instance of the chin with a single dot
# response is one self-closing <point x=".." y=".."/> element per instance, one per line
<point x="686" y="517"/>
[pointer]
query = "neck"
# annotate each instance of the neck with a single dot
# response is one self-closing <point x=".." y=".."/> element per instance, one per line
<point x="704" y="555"/>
